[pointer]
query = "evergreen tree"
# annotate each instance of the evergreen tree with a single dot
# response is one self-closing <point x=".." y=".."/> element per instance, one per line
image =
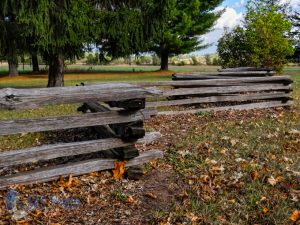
<point x="186" y="21"/>
<point x="61" y="28"/>
<point x="128" y="27"/>
<point x="12" y="41"/>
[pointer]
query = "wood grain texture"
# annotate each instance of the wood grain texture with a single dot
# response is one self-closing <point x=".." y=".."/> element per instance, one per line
<point x="221" y="98"/>
<point x="36" y="97"/>
<point x="229" y="89"/>
<point x="47" y="152"/>
<point x="75" y="169"/>
<point x="260" y="105"/>
<point x="231" y="73"/>
<point x="238" y="69"/>
<point x="65" y="122"/>
<point x="219" y="82"/>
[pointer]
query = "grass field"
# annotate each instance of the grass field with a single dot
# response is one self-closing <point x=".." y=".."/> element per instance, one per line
<point x="77" y="74"/>
<point x="235" y="167"/>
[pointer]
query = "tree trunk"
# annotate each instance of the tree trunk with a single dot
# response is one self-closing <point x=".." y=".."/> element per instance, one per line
<point x="56" y="71"/>
<point x="35" y="63"/>
<point x="164" y="64"/>
<point x="13" y="66"/>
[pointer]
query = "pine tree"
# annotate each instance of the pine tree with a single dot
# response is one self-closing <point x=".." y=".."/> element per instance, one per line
<point x="12" y="41"/>
<point x="186" y="21"/>
<point x="128" y="27"/>
<point x="61" y="28"/>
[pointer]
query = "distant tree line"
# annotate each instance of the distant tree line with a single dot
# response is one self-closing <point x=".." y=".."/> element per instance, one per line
<point x="59" y="30"/>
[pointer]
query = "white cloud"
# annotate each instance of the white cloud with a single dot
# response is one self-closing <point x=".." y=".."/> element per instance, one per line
<point x="293" y="3"/>
<point x="230" y="18"/>
<point x="239" y="4"/>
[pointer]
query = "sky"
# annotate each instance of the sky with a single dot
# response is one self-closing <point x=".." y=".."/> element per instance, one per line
<point x="233" y="15"/>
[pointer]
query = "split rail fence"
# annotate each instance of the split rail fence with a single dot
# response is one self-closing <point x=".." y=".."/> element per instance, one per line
<point x="116" y="111"/>
<point x="237" y="89"/>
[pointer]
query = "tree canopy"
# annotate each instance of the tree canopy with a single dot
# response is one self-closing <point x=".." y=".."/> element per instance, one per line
<point x="128" y="27"/>
<point x="262" y="41"/>
<point x="186" y="21"/>
<point x="12" y="40"/>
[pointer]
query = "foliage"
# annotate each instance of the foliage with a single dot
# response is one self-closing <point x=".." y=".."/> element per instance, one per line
<point x="61" y="26"/>
<point x="155" y="60"/>
<point x="216" y="62"/>
<point x="92" y="59"/>
<point x="234" y="49"/>
<point x="195" y="60"/>
<point x="208" y="60"/>
<point x="187" y="20"/>
<point x="12" y="40"/>
<point x="262" y="41"/>
<point x="266" y="31"/>
<point x="127" y="27"/>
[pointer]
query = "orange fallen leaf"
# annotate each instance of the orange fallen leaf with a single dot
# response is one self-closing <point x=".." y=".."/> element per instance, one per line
<point x="153" y="163"/>
<point x="254" y="175"/>
<point x="22" y="222"/>
<point x="204" y="179"/>
<point x="94" y="174"/>
<point x="68" y="183"/>
<point x="119" y="170"/>
<point x="36" y="213"/>
<point x="295" y="216"/>
<point x="265" y="210"/>
<point x="130" y="200"/>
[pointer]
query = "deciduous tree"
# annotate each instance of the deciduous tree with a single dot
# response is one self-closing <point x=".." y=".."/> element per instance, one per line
<point x="264" y="38"/>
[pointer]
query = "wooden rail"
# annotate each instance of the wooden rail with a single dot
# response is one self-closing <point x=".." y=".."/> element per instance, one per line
<point x="117" y="114"/>
<point x="36" y="97"/>
<point x="236" y="88"/>
<point x="75" y="169"/>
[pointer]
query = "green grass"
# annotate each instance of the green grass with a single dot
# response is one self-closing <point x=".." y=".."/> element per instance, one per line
<point x="241" y="147"/>
<point x="214" y="156"/>
<point x="111" y="68"/>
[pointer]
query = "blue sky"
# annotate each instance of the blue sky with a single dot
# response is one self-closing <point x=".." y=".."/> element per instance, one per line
<point x="233" y="15"/>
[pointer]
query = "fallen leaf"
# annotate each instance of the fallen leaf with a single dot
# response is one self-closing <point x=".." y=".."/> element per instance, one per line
<point x="130" y="200"/>
<point x="204" y="179"/>
<point x="263" y="198"/>
<point x="295" y="216"/>
<point x="192" y="217"/>
<point x="254" y="175"/>
<point x="151" y="195"/>
<point x="94" y="174"/>
<point x="217" y="169"/>
<point x="273" y="181"/>
<point x="67" y="183"/>
<point x="36" y="213"/>
<point x="265" y="210"/>
<point x="119" y="170"/>
<point x="233" y="142"/>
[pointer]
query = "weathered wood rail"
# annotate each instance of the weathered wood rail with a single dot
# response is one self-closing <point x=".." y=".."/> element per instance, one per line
<point x="119" y="126"/>
<point x="235" y="88"/>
